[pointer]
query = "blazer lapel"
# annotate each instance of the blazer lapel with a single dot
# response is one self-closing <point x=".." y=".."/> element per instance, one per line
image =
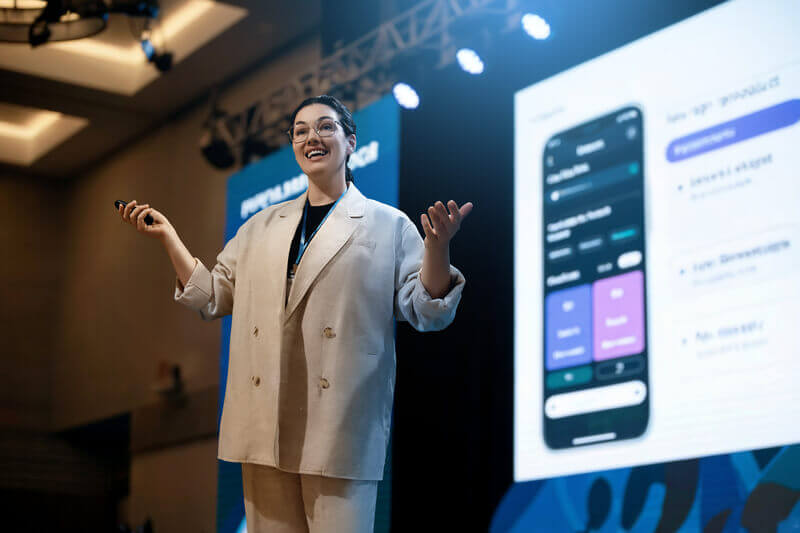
<point x="330" y="238"/>
<point x="275" y="247"/>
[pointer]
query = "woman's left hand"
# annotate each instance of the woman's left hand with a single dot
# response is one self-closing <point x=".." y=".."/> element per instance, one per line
<point x="445" y="224"/>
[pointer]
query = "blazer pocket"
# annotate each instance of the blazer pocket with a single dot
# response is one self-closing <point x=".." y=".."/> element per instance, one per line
<point x="370" y="345"/>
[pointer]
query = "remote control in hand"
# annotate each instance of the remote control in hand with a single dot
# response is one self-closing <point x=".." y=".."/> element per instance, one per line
<point x="147" y="219"/>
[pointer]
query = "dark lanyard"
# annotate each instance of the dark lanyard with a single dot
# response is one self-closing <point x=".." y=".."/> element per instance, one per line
<point x="303" y="242"/>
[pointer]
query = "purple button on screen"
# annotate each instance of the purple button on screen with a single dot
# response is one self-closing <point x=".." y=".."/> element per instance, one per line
<point x="737" y="130"/>
<point x="569" y="327"/>
<point x="618" y="316"/>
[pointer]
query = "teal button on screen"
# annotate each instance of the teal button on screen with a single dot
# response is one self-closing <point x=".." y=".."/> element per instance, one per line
<point x="623" y="234"/>
<point x="569" y="377"/>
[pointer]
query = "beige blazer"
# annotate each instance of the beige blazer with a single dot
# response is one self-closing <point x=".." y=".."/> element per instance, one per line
<point x="311" y="377"/>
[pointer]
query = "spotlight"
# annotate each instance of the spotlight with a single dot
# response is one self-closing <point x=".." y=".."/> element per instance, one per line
<point x="148" y="49"/>
<point x="216" y="150"/>
<point x="405" y="95"/>
<point x="408" y="76"/>
<point x="216" y="142"/>
<point x="535" y="26"/>
<point x="162" y="61"/>
<point x="40" y="21"/>
<point x="38" y="33"/>
<point x="57" y="21"/>
<point x="255" y="148"/>
<point x="470" y="61"/>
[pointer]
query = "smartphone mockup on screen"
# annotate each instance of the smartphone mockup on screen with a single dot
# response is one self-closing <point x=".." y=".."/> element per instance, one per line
<point x="595" y="386"/>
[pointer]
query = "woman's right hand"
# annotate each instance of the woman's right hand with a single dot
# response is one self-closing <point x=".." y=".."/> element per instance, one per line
<point x="134" y="214"/>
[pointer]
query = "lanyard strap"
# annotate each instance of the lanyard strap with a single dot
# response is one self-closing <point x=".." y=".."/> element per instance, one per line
<point x="303" y="243"/>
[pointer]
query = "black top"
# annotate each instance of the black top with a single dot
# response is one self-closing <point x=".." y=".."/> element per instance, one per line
<point x="315" y="215"/>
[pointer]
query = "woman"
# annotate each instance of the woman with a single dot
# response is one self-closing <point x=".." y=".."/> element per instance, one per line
<point x="314" y="285"/>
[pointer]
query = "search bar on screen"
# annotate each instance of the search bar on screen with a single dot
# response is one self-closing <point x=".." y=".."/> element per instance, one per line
<point x="596" y="399"/>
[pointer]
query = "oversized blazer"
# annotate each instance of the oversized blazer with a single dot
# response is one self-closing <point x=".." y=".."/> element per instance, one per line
<point x="311" y="374"/>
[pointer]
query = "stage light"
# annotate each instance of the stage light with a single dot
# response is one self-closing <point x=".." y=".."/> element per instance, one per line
<point x="148" y="49"/>
<point x="216" y="150"/>
<point x="405" y="95"/>
<point x="535" y="26"/>
<point x="39" y="21"/>
<point x="217" y="143"/>
<point x="162" y="61"/>
<point x="470" y="61"/>
<point x="254" y="148"/>
<point x="62" y="21"/>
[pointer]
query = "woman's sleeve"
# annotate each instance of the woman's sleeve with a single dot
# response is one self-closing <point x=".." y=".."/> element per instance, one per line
<point x="211" y="293"/>
<point x="412" y="302"/>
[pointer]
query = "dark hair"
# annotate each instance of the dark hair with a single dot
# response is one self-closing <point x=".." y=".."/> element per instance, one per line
<point x="345" y="117"/>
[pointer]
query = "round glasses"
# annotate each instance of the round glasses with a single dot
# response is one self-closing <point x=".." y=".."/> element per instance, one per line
<point x="324" y="128"/>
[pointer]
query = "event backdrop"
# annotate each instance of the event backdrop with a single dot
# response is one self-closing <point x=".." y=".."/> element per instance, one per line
<point x="275" y="179"/>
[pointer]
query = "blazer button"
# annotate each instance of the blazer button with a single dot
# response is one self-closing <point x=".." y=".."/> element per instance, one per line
<point x="255" y="331"/>
<point x="256" y="381"/>
<point x="328" y="332"/>
<point x="324" y="383"/>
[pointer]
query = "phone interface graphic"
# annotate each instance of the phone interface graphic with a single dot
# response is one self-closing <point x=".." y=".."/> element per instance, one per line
<point x="595" y="325"/>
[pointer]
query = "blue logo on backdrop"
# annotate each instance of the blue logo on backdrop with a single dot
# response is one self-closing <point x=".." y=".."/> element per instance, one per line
<point x="275" y="179"/>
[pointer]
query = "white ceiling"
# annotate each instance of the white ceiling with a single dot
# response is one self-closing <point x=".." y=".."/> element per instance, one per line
<point x="113" y="60"/>
<point x="60" y="98"/>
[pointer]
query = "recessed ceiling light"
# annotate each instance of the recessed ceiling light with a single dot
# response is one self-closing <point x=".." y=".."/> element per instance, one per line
<point x="35" y="125"/>
<point x="22" y="4"/>
<point x="28" y="133"/>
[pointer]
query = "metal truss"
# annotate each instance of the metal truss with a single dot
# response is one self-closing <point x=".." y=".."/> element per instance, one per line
<point x="359" y="72"/>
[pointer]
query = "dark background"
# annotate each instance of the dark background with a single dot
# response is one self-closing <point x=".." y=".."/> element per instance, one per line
<point x="453" y="448"/>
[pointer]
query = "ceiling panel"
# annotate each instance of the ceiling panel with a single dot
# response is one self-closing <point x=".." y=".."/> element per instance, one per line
<point x="105" y="82"/>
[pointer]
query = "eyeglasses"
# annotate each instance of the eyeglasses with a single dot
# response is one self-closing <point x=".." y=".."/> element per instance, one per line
<point x="324" y="128"/>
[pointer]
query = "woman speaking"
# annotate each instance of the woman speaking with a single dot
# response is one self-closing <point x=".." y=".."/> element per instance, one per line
<point x="314" y="286"/>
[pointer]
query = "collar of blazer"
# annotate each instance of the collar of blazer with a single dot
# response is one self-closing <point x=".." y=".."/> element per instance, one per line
<point x="330" y="238"/>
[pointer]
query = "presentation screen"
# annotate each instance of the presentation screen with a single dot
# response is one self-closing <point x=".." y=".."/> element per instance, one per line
<point x="275" y="179"/>
<point x="657" y="261"/>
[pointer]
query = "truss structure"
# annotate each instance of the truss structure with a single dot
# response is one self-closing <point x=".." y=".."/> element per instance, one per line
<point x="358" y="73"/>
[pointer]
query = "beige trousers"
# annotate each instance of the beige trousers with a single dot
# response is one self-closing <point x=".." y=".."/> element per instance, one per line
<point x="276" y="502"/>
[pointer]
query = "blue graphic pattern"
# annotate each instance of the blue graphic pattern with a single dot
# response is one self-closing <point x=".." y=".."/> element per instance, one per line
<point x="757" y="490"/>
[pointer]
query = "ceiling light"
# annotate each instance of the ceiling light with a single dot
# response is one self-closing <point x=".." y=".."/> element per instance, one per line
<point x="216" y="143"/>
<point x="30" y="133"/>
<point x="216" y="150"/>
<point x="121" y="67"/>
<point x="61" y="21"/>
<point x="255" y="148"/>
<point x="38" y="22"/>
<point x="405" y="95"/>
<point x="22" y="4"/>
<point x="470" y="61"/>
<point x="408" y="75"/>
<point x="38" y="122"/>
<point x="535" y="26"/>
<point x="169" y="28"/>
